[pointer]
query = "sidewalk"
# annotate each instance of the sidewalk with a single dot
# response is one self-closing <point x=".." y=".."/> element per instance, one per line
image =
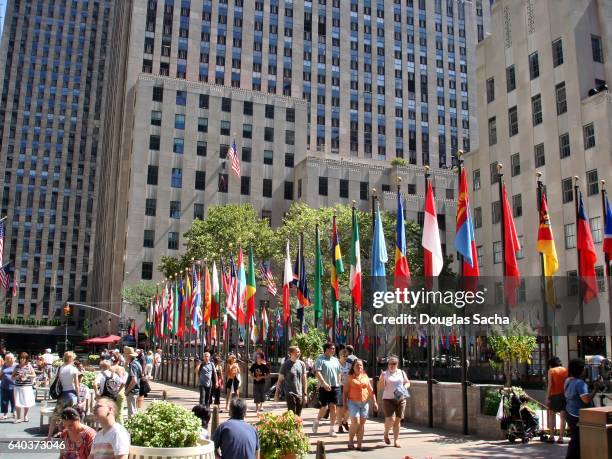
<point x="418" y="442"/>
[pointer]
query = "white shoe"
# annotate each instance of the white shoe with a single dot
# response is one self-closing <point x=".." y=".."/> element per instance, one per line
<point x="315" y="425"/>
<point x="332" y="432"/>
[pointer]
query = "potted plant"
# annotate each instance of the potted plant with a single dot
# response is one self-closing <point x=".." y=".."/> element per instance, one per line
<point x="93" y="359"/>
<point x="166" y="430"/>
<point x="282" y="436"/>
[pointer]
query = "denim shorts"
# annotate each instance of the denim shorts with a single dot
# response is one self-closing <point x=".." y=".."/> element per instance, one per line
<point x="358" y="409"/>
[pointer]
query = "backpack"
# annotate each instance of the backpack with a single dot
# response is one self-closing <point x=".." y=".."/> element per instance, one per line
<point x="56" y="389"/>
<point x="110" y="388"/>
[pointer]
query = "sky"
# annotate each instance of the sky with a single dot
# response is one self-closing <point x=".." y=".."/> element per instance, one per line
<point x="2" y="10"/>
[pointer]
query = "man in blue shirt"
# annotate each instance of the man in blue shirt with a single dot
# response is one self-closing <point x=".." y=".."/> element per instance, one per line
<point x="235" y="437"/>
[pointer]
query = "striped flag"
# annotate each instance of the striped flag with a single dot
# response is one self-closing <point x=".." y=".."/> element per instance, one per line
<point x="268" y="278"/>
<point x="233" y="156"/>
<point x="287" y="281"/>
<point x="4" y="277"/>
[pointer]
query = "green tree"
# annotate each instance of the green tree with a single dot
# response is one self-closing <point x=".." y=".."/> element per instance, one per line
<point x="140" y="294"/>
<point x="311" y="343"/>
<point x="512" y="344"/>
<point x="169" y="266"/>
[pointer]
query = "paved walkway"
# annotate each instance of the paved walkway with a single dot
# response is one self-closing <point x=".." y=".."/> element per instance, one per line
<point x="417" y="441"/>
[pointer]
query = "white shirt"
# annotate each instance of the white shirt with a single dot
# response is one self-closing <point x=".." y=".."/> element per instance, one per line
<point x="114" y="442"/>
<point x="48" y="358"/>
<point x="67" y="374"/>
<point x="392" y="380"/>
<point x="156" y="358"/>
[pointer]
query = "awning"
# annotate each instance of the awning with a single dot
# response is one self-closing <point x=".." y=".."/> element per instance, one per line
<point x="109" y="339"/>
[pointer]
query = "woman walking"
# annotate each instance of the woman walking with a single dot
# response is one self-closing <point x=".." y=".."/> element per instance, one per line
<point x="24" y="376"/>
<point x="68" y="378"/>
<point x="216" y="393"/>
<point x="149" y="366"/>
<point x="77" y="437"/>
<point x="259" y="370"/>
<point x="232" y="379"/>
<point x="8" y="385"/>
<point x="557" y="375"/>
<point x="394" y="403"/>
<point x="357" y="391"/>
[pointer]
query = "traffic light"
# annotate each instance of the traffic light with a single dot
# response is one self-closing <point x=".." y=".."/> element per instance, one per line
<point x="67" y="310"/>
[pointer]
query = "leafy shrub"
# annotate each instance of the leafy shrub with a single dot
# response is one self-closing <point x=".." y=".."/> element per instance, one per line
<point x="164" y="425"/>
<point x="280" y="435"/>
<point x="93" y="358"/>
<point x="311" y="343"/>
<point x="492" y="398"/>
<point x="89" y="378"/>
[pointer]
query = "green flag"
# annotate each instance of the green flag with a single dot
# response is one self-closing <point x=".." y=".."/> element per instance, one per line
<point x="176" y="318"/>
<point x="318" y="277"/>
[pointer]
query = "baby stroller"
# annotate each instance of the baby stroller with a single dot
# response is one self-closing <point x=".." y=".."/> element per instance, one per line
<point x="519" y="421"/>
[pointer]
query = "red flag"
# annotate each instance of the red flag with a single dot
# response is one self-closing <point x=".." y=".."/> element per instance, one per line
<point x="287" y="280"/>
<point x="511" y="246"/>
<point x="587" y="257"/>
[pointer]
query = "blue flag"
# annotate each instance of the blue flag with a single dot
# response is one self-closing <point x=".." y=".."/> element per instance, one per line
<point x="379" y="253"/>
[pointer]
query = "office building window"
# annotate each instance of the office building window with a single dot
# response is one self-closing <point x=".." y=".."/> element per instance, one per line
<point x="267" y="188"/>
<point x="567" y="190"/>
<point x="477" y="217"/>
<point x="154" y="142"/>
<point x="198" y="211"/>
<point x="515" y="164"/>
<point x="179" y="121"/>
<point x="200" y="180"/>
<point x="490" y="90"/>
<point x="288" y="191"/>
<point x="497" y="252"/>
<point x="245" y="185"/>
<point x="517" y="206"/>
<point x="223" y="148"/>
<point x="204" y="101"/>
<point x="592" y="182"/>
<point x="158" y="94"/>
<point x="510" y="79"/>
<point x="150" y="207"/>
<point x="201" y="148"/>
<point x="268" y="157"/>
<point x="246" y="154"/>
<point x="222" y="184"/>
<point x="176" y="180"/>
<point x="149" y="239"/>
<point x="564" y="145"/>
<point x="513" y="125"/>
<point x="363" y="191"/>
<point x="476" y="179"/>
<point x="492" y="131"/>
<point x="595" y="224"/>
<point x="225" y="128"/>
<point x="247" y="131"/>
<point x="534" y="66"/>
<point x="178" y="146"/>
<point x="181" y="97"/>
<point x="269" y="111"/>
<point x="175" y="210"/>
<point x="344" y="188"/>
<point x="597" y="49"/>
<point x="226" y="104"/>
<point x="248" y="108"/>
<point x="588" y="132"/>
<point x="557" y="52"/>
<point x="269" y="134"/>
<point x="290" y="115"/>
<point x="146" y="270"/>
<point x="289" y="159"/>
<point x="536" y="109"/>
<point x="152" y="173"/>
<point x="495" y="212"/>
<point x="202" y="124"/>
<point x="561" y="98"/>
<point x="479" y="255"/>
<point x="538" y="151"/>
<point x="173" y="240"/>
<point x="322" y="186"/>
<point x="289" y="137"/>
<point x="156" y="118"/>
<point x="570" y="235"/>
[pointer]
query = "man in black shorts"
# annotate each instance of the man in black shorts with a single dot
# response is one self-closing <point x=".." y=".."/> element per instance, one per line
<point x="328" y="370"/>
<point x="293" y="374"/>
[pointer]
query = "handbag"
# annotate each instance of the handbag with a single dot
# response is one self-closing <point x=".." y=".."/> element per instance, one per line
<point x="400" y="392"/>
<point x="145" y="388"/>
<point x="56" y="389"/>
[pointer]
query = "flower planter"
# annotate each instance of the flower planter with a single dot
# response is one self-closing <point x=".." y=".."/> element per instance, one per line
<point x="289" y="456"/>
<point x="206" y="450"/>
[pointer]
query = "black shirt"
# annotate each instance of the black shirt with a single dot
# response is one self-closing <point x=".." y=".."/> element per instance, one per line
<point x="259" y="369"/>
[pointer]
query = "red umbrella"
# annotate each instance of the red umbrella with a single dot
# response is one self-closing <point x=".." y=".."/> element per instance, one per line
<point x="110" y="339"/>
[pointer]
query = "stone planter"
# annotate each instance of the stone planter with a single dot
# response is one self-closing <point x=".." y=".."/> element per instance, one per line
<point x="488" y="427"/>
<point x="205" y="450"/>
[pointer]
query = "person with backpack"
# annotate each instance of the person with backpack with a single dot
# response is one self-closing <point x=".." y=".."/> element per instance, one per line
<point x="107" y="384"/>
<point x="394" y="384"/>
<point x="207" y="379"/>
<point x="66" y="384"/>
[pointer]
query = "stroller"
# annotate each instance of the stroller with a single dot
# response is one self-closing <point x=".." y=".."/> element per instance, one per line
<point x="519" y="420"/>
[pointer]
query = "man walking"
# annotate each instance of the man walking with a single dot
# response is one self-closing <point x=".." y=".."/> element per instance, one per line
<point x="207" y="379"/>
<point x="327" y="371"/>
<point x="293" y="374"/>
<point x="157" y="364"/>
<point x="112" y="440"/>
<point x="132" y="385"/>
<point x="235" y="437"/>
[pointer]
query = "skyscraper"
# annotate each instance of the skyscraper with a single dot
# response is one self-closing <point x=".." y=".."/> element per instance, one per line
<point x="53" y="57"/>
<point x="318" y="96"/>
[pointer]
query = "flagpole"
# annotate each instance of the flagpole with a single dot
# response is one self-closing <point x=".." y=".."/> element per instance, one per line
<point x="580" y="300"/>
<point x="303" y="315"/>
<point x="190" y="322"/>
<point x="464" y="395"/>
<point x="399" y="328"/>
<point x="173" y="335"/>
<point x="352" y="315"/>
<point x="335" y="300"/>
<point x="606" y="256"/>
<point x="374" y="363"/>
<point x="183" y="349"/>
<point x="430" y="373"/>
<point x="543" y="280"/>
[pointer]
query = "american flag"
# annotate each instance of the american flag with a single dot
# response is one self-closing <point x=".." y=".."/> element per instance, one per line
<point x="233" y="155"/>
<point x="268" y="279"/>
<point x="2" y="231"/>
<point x="4" y="277"/>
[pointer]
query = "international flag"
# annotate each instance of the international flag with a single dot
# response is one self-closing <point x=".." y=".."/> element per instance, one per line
<point x="511" y="241"/>
<point x="401" y="275"/>
<point x="546" y="242"/>
<point x="587" y="257"/>
<point x="2" y="234"/>
<point x="379" y="254"/>
<point x="607" y="242"/>
<point x="432" y="249"/>
<point x="215" y="300"/>
<point x="465" y="242"/>
<point x="337" y="268"/>
<point x="233" y="156"/>
<point x="251" y="288"/>
<point x="241" y="289"/>
<point x="302" y="286"/>
<point x="175" y="308"/>
<point x="165" y="305"/>
<point x="207" y="303"/>
<point x="187" y="299"/>
<point x="150" y="319"/>
<point x="355" y="272"/>
<point x="181" y="303"/>
<point x="267" y="278"/>
<point x="196" y="302"/>
<point x="318" y="278"/>
<point x="265" y="324"/>
<point x="287" y="281"/>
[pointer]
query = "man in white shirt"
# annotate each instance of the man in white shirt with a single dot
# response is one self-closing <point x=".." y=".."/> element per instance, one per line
<point x="49" y="359"/>
<point x="157" y="364"/>
<point x="112" y="441"/>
